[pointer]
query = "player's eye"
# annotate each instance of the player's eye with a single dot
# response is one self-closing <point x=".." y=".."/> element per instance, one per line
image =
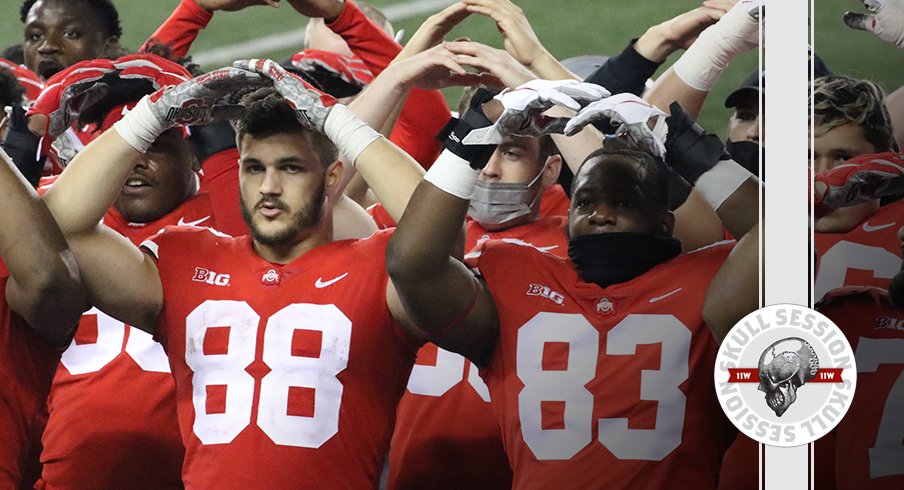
<point x="34" y="36"/>
<point x="292" y="169"/>
<point x="71" y="34"/>
<point x="254" y="168"/>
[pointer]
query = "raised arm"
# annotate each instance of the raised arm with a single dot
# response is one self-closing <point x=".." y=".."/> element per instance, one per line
<point x="121" y="280"/>
<point x="690" y="79"/>
<point x="173" y="39"/>
<point x="629" y="70"/>
<point x="44" y="285"/>
<point x="424" y="112"/>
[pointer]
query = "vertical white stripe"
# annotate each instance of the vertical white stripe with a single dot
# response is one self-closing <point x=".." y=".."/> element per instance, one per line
<point x="787" y="213"/>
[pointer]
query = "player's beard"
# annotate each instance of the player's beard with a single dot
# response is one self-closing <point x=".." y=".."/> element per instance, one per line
<point x="307" y="217"/>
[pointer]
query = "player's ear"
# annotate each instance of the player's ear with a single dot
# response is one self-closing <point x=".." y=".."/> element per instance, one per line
<point x="667" y="223"/>
<point x="551" y="171"/>
<point x="334" y="176"/>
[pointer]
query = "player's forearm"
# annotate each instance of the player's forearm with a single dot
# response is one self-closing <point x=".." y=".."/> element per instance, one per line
<point x="670" y="88"/>
<point x="734" y="291"/>
<point x="92" y="181"/>
<point x="574" y="149"/>
<point x="179" y="30"/>
<point x="421" y="244"/>
<point x="740" y="211"/>
<point x="391" y="174"/>
<point x="546" y="66"/>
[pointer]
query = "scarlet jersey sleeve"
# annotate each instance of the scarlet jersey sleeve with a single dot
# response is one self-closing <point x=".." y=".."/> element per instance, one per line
<point x="570" y="376"/>
<point x="220" y="181"/>
<point x="424" y="113"/>
<point x="179" y="30"/>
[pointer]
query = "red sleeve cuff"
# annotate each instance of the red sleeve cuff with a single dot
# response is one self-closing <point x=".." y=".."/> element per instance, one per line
<point x="344" y="21"/>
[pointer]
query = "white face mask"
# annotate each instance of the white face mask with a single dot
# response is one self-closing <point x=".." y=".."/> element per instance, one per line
<point x="497" y="206"/>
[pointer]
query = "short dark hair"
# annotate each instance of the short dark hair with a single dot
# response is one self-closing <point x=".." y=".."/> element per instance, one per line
<point x="104" y="10"/>
<point x="650" y="168"/>
<point x="11" y="92"/>
<point x="268" y="113"/>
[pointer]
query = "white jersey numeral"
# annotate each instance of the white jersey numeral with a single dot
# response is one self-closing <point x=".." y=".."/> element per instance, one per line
<point x="215" y="372"/>
<point x="844" y="256"/>
<point x="886" y="456"/>
<point x="566" y="386"/>
<point x="92" y="357"/>
<point x="437" y="380"/>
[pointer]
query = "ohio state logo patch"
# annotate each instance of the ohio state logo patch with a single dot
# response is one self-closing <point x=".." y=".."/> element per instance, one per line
<point x="785" y="375"/>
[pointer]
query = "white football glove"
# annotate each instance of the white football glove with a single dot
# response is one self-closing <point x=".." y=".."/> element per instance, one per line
<point x="886" y="20"/>
<point x="631" y="115"/>
<point x="525" y="105"/>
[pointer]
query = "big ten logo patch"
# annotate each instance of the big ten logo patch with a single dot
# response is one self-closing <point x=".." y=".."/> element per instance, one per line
<point x="210" y="277"/>
<point x="545" y="292"/>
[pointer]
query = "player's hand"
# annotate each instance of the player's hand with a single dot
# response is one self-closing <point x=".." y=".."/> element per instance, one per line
<point x="498" y="67"/>
<point x="520" y="40"/>
<point x="525" y="105"/>
<point x="661" y="40"/>
<point x="311" y="105"/>
<point x="434" y="29"/>
<point x="327" y="9"/>
<point x="859" y="180"/>
<point x="233" y="5"/>
<point x="630" y="115"/>
<point x="53" y="112"/>
<point x="200" y="100"/>
<point x="338" y="75"/>
<point x="886" y="20"/>
<point x="690" y="150"/>
<point x="433" y="69"/>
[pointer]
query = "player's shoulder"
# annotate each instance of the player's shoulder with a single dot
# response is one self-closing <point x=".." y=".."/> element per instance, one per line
<point x="712" y="251"/>
<point x="194" y="238"/>
<point x="506" y="252"/>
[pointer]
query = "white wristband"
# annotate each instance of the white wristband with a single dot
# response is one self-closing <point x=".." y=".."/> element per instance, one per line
<point x="140" y="127"/>
<point x="720" y="182"/>
<point x="453" y="174"/>
<point x="350" y="134"/>
<point x="705" y="60"/>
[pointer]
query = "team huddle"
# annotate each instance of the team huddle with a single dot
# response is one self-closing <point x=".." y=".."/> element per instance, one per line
<point x="310" y="273"/>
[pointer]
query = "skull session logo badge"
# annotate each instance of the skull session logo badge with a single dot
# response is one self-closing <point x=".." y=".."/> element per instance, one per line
<point x="785" y="375"/>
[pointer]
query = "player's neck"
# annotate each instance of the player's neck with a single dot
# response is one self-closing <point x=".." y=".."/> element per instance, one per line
<point x="283" y="254"/>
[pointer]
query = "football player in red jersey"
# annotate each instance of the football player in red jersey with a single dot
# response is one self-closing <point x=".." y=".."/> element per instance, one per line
<point x="41" y="297"/>
<point x="274" y="339"/>
<point x="560" y="343"/>
<point x="111" y="370"/>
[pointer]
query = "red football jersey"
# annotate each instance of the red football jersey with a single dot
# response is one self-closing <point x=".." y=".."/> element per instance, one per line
<point x="122" y="377"/>
<point x="869" y="440"/>
<point x="604" y="387"/>
<point x="445" y="432"/>
<point x="287" y="376"/>
<point x="555" y="202"/>
<point x="868" y="255"/>
<point x="27" y="364"/>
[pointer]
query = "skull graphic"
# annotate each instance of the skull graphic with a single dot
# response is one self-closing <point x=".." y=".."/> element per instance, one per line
<point x="784" y="367"/>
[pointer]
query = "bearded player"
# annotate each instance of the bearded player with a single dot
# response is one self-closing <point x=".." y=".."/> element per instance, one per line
<point x="42" y="297"/>
<point x="553" y="336"/>
<point x="284" y="359"/>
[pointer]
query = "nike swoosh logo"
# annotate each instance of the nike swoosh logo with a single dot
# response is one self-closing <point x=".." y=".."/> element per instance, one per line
<point x="320" y="283"/>
<point x="192" y="223"/>
<point x="666" y="295"/>
<point x="867" y="227"/>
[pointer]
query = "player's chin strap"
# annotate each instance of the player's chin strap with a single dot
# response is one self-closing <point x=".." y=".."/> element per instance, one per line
<point x="613" y="258"/>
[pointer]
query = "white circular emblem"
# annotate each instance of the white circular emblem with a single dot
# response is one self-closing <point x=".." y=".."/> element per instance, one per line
<point x="785" y="375"/>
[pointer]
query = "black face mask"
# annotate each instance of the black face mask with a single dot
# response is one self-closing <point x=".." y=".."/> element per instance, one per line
<point x="612" y="258"/>
<point x="747" y="154"/>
